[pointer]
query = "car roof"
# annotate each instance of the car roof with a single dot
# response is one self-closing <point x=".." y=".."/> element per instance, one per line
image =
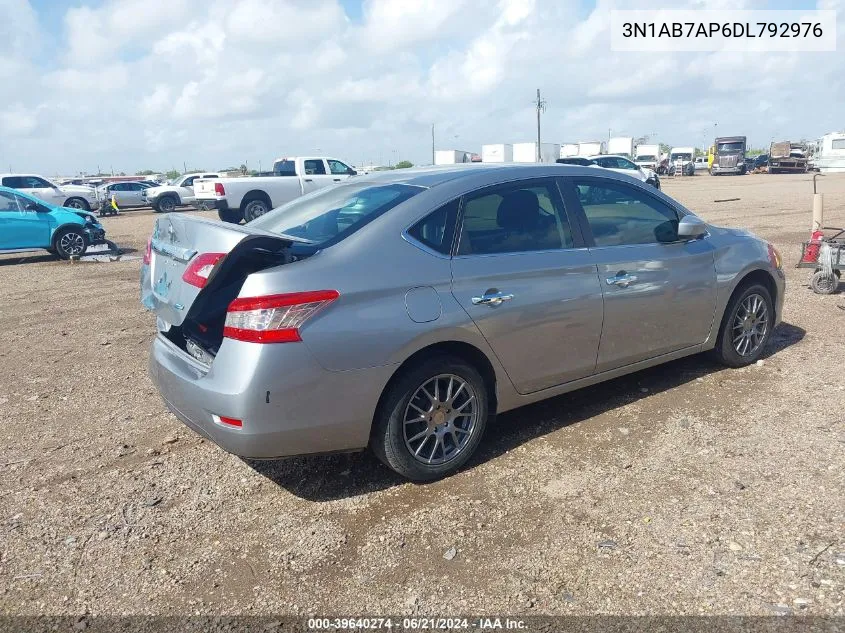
<point x="431" y="176"/>
<point x="607" y="156"/>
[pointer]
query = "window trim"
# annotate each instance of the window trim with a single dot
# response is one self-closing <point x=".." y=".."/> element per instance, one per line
<point x="406" y="232"/>
<point x="569" y="192"/>
<point x="552" y="182"/>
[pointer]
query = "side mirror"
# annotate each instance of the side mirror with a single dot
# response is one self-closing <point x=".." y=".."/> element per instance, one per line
<point x="351" y="172"/>
<point x="691" y="227"/>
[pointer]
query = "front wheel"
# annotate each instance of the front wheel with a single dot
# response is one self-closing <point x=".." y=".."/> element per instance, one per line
<point x="746" y="327"/>
<point x="431" y="419"/>
<point x="69" y="243"/>
<point x="166" y="204"/>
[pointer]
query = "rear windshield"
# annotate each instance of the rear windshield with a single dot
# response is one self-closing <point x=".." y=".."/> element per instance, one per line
<point x="284" y="167"/>
<point x="329" y="215"/>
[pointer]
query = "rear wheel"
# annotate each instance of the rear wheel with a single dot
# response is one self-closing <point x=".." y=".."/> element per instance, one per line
<point x="254" y="208"/>
<point x="746" y="327"/>
<point x="69" y="243"/>
<point x="431" y="419"/>
<point x="78" y="203"/>
<point x="230" y="215"/>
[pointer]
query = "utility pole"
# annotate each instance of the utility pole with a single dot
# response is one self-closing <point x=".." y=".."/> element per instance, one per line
<point x="432" y="144"/>
<point x="540" y="104"/>
<point x="184" y="167"/>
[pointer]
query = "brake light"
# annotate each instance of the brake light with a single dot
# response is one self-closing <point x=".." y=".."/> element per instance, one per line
<point x="219" y="190"/>
<point x="200" y="268"/>
<point x="774" y="257"/>
<point x="148" y="252"/>
<point x="274" y="318"/>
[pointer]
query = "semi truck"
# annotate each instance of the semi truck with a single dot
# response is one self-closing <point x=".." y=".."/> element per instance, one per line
<point x="729" y="157"/>
<point x="786" y="156"/>
<point x="682" y="159"/>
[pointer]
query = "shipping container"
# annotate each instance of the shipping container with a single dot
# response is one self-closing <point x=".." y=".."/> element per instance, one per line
<point x="568" y="149"/>
<point x="451" y="156"/>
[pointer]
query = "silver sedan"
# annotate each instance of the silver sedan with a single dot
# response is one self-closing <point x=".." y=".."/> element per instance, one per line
<point x="401" y="311"/>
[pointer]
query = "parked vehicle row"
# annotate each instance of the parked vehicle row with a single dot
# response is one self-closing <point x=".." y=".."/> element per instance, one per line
<point x="179" y="191"/>
<point x="506" y="285"/>
<point x="619" y="164"/>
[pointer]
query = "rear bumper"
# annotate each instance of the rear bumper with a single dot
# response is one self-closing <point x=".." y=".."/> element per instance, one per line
<point x="289" y="405"/>
<point x="220" y="204"/>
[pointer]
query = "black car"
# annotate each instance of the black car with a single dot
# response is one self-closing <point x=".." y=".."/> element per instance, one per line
<point x="761" y="161"/>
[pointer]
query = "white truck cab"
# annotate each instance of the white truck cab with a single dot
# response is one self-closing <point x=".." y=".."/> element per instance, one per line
<point x="179" y="191"/>
<point x="238" y="199"/>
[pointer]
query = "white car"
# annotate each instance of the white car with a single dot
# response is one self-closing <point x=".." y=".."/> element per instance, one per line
<point x="73" y="196"/>
<point x="625" y="165"/>
<point x="179" y="191"/>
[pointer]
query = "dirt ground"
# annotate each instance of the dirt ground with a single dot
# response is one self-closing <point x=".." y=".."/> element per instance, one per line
<point x="685" y="489"/>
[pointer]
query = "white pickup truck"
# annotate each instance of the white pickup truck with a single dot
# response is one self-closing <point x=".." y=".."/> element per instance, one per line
<point x="238" y="199"/>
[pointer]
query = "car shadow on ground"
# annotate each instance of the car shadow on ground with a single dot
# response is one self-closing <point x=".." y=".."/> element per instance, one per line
<point x="14" y="259"/>
<point x="332" y="477"/>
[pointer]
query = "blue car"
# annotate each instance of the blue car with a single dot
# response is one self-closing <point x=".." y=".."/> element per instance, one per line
<point x="27" y="223"/>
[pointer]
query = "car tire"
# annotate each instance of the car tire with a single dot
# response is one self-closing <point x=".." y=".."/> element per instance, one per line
<point x="254" y="208"/>
<point x="77" y="203"/>
<point x="165" y="204"/>
<point x="823" y="284"/>
<point x="741" y="325"/>
<point x="233" y="216"/>
<point x="396" y="434"/>
<point x="70" y="242"/>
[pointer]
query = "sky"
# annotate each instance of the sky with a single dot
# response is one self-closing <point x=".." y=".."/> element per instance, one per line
<point x="126" y="85"/>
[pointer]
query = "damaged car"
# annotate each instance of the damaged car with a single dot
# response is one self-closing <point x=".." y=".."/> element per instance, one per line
<point x="401" y="311"/>
<point x="28" y="223"/>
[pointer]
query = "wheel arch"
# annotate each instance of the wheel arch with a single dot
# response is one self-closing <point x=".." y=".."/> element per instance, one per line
<point x="256" y="194"/>
<point x="460" y="349"/>
<point x="748" y="278"/>
<point x="84" y="201"/>
<point x="63" y="227"/>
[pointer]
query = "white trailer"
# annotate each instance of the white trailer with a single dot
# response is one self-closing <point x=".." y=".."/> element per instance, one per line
<point x="527" y="152"/>
<point x="451" y="156"/>
<point x="497" y="153"/>
<point x="568" y="149"/>
<point x="621" y="145"/>
<point x="591" y="148"/>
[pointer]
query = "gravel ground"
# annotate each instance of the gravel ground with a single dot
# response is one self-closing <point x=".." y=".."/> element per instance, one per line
<point x="685" y="489"/>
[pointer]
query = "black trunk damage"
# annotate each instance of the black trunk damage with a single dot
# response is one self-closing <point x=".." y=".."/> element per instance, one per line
<point x="201" y="333"/>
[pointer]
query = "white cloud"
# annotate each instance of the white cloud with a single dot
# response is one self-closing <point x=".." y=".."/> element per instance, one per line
<point x="152" y="83"/>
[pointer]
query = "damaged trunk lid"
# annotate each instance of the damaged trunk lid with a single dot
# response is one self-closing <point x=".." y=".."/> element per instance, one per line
<point x="196" y="268"/>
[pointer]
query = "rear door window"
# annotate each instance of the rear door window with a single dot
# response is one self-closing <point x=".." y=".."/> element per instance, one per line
<point x="517" y="217"/>
<point x="9" y="202"/>
<point x="314" y="168"/>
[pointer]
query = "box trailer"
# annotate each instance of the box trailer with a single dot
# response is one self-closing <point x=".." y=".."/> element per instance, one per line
<point x="527" y="152"/>
<point x="621" y="145"/>
<point x="568" y="149"/>
<point x="591" y="148"/>
<point x="451" y="156"/>
<point x="787" y="157"/>
<point x="497" y="153"/>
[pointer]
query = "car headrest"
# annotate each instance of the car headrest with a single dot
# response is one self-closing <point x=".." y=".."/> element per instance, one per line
<point x="519" y="211"/>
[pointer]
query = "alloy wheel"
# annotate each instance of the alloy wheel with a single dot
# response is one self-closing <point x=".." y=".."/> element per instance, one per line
<point x="72" y="243"/>
<point x="439" y="419"/>
<point x="750" y="325"/>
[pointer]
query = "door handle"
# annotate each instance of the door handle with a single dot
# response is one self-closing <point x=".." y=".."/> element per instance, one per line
<point x="337" y="179"/>
<point x="309" y="180"/>
<point x="622" y="279"/>
<point x="492" y="299"/>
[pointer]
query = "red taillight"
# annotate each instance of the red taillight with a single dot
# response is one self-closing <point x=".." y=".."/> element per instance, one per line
<point x="148" y="252"/>
<point x="200" y="268"/>
<point x="219" y="189"/>
<point x="274" y="318"/>
<point x="228" y="421"/>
